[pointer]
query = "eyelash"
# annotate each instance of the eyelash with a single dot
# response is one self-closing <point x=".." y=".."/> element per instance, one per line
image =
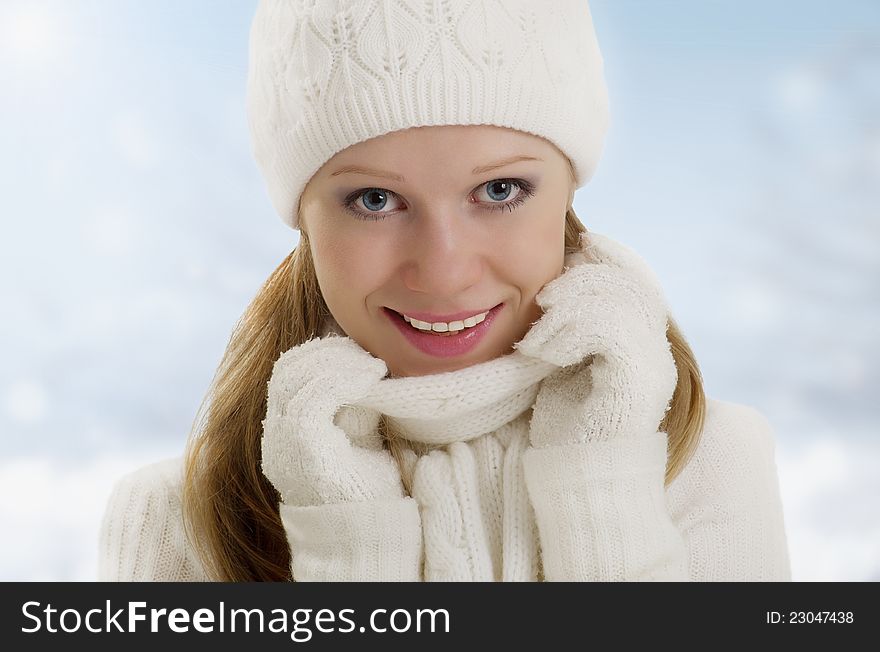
<point x="526" y="191"/>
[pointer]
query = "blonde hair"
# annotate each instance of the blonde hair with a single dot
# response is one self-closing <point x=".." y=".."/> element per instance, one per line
<point x="230" y="509"/>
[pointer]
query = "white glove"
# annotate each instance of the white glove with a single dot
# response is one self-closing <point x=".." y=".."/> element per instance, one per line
<point x="605" y="323"/>
<point x="307" y="457"/>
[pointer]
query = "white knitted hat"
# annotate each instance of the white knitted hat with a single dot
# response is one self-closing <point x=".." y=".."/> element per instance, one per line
<point x="327" y="74"/>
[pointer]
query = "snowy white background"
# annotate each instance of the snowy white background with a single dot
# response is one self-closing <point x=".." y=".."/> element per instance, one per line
<point x="743" y="162"/>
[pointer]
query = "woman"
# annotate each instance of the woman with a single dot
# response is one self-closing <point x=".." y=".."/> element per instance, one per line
<point x="449" y="378"/>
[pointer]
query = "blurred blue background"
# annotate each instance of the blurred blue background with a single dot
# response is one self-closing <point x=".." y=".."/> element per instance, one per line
<point x="743" y="161"/>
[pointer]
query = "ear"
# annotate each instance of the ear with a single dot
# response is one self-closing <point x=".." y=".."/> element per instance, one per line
<point x="301" y="223"/>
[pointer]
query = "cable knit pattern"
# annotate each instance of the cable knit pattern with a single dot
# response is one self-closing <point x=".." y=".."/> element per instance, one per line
<point x="323" y="76"/>
<point x="486" y="505"/>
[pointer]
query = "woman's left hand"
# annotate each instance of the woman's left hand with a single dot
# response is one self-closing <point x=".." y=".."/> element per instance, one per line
<point x="604" y="323"/>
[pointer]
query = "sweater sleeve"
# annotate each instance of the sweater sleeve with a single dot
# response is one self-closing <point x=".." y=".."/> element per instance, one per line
<point x="378" y="540"/>
<point x="142" y="536"/>
<point x="603" y="513"/>
<point x="727" y="501"/>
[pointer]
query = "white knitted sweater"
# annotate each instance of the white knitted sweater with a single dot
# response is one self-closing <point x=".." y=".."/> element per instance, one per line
<point x="490" y="508"/>
<point x="486" y="506"/>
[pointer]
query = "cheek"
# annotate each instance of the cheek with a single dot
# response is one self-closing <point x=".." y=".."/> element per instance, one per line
<point x="536" y="253"/>
<point x="348" y="268"/>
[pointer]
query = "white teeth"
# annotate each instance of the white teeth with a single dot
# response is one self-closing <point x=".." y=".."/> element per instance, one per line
<point x="443" y="327"/>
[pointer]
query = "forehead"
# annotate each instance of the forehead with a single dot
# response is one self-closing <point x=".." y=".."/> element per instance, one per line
<point x="444" y="145"/>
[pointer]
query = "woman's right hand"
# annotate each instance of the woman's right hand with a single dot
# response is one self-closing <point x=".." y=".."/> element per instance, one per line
<point x="307" y="457"/>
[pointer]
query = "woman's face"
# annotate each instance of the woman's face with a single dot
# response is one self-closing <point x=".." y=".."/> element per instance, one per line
<point x="422" y="223"/>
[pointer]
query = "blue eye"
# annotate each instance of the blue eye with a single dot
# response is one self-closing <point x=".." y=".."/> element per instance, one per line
<point x="375" y="199"/>
<point x="504" y="192"/>
<point x="500" y="189"/>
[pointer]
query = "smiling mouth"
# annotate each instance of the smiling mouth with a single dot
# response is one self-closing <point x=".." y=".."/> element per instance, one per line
<point x="443" y="329"/>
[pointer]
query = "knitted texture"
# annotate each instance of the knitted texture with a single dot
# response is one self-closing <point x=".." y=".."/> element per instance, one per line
<point x="381" y="539"/>
<point x="326" y="74"/>
<point x="625" y="474"/>
<point x="486" y="504"/>
<point x="490" y="394"/>
<point x="307" y="457"/>
<point x="725" y="508"/>
<point x="142" y="536"/>
<point x="604" y="322"/>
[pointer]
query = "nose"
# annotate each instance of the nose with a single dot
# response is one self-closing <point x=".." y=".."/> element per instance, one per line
<point x="445" y="257"/>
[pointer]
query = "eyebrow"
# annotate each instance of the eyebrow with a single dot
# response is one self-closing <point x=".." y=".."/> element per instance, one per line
<point x="480" y="169"/>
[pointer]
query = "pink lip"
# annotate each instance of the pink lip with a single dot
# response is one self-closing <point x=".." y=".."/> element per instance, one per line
<point x="444" y="346"/>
